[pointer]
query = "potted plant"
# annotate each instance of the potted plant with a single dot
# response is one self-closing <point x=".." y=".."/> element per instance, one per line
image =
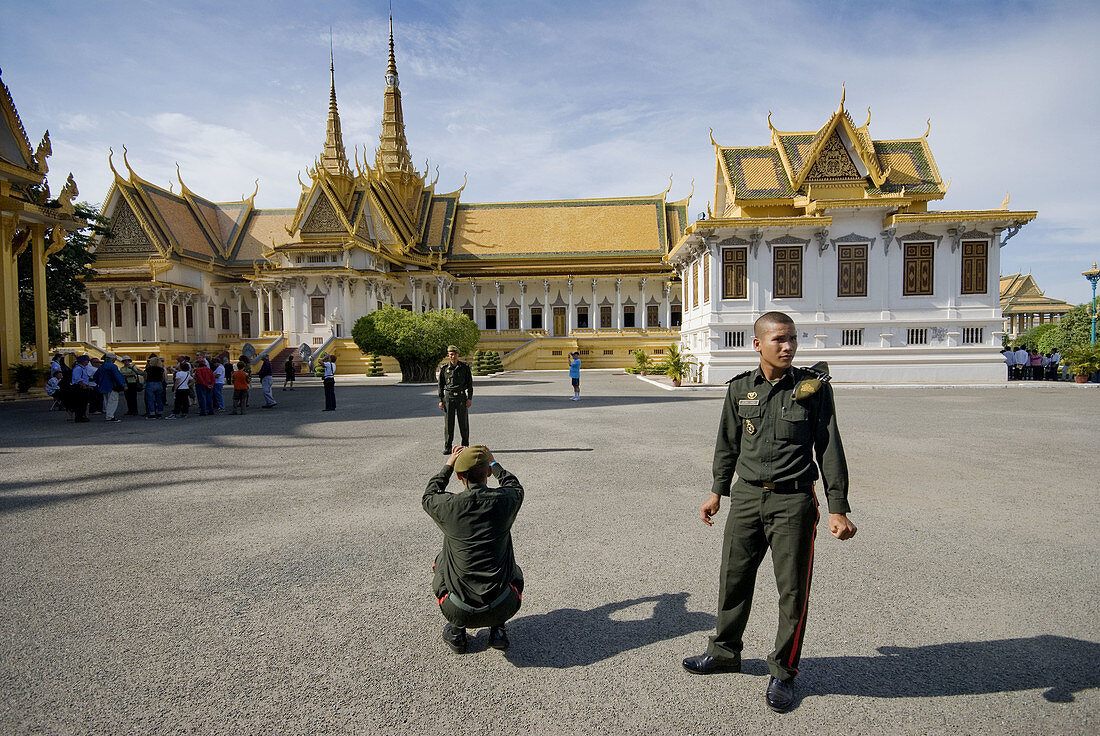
<point x="25" y="376"/>
<point x="641" y="361"/>
<point x="1082" y="362"/>
<point x="676" y="364"/>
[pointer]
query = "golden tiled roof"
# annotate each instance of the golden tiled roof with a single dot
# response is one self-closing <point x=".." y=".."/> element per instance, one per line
<point x="180" y="221"/>
<point x="566" y="228"/>
<point x="263" y="227"/>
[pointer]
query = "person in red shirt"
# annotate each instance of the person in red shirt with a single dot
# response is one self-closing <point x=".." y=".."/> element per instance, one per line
<point x="240" y="389"/>
<point x="204" y="387"/>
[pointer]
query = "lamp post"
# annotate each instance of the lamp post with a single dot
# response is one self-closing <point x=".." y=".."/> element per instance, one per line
<point x="1093" y="275"/>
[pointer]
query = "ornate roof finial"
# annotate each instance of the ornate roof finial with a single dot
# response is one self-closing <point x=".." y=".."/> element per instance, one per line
<point x="392" y="155"/>
<point x="868" y="117"/>
<point x="111" y="163"/>
<point x="127" y="162"/>
<point x="333" y="158"/>
<point x="843" y="95"/>
<point x="1004" y="203"/>
<point x="391" y="65"/>
<point x="928" y="128"/>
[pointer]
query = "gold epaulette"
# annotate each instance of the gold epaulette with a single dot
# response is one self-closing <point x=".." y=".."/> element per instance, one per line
<point x="817" y="374"/>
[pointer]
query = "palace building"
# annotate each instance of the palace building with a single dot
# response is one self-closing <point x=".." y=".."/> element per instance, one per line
<point x="179" y="273"/>
<point x="1024" y="305"/>
<point x="834" y="228"/>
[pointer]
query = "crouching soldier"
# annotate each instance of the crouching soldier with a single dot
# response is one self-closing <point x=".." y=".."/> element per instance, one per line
<point x="477" y="581"/>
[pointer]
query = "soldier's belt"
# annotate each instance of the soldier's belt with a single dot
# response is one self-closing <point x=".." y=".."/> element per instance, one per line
<point x="783" y="487"/>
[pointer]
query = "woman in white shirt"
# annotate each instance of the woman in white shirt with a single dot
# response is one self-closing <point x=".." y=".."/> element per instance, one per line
<point x="182" y="383"/>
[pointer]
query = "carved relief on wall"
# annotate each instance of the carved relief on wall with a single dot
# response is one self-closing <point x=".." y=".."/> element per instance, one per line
<point x="127" y="234"/>
<point x="833" y="163"/>
<point x="322" y="218"/>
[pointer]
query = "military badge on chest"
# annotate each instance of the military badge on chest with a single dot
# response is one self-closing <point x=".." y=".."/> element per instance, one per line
<point x="750" y="427"/>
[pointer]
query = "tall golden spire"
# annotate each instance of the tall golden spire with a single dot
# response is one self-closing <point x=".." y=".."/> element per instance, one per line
<point x="393" y="152"/>
<point x="334" y="159"/>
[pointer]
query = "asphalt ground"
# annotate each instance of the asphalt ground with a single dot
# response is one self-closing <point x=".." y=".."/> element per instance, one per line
<point x="269" y="574"/>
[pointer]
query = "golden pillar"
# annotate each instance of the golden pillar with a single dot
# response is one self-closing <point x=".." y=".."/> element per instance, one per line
<point x="41" y="314"/>
<point x="9" y="300"/>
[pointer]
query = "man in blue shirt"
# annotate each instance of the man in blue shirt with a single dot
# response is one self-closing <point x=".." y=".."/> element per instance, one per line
<point x="110" y="383"/>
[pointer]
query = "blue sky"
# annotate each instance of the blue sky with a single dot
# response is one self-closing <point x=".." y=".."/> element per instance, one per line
<point x="544" y="100"/>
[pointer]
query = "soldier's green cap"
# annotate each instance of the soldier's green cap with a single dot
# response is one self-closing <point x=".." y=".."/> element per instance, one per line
<point x="452" y="349"/>
<point x="471" y="457"/>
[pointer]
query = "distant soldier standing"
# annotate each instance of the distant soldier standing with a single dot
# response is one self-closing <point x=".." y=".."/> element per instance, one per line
<point x="775" y="419"/>
<point x="456" y="393"/>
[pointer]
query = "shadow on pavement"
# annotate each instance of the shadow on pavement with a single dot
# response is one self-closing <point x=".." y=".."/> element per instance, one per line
<point x="570" y="637"/>
<point x="1059" y="665"/>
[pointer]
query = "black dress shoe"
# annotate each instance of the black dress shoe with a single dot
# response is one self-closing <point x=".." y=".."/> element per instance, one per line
<point x="704" y="664"/>
<point x="455" y="638"/>
<point x="779" y="695"/>
<point x="498" y="638"/>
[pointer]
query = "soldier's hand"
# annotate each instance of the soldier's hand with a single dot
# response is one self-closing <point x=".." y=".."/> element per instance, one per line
<point x="468" y="402"/>
<point x="441" y="406"/>
<point x="710" y="508"/>
<point x="841" y="527"/>
<point x="454" y="455"/>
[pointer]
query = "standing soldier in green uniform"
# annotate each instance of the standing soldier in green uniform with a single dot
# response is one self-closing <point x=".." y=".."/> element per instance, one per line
<point x="775" y="420"/>
<point x="456" y="393"/>
<point x="477" y="581"/>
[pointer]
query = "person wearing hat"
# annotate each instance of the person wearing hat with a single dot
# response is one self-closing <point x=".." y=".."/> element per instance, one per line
<point x="80" y="389"/>
<point x="110" y="383"/>
<point x="456" y="393"/>
<point x="776" y="420"/>
<point x="477" y="582"/>
<point x="133" y="381"/>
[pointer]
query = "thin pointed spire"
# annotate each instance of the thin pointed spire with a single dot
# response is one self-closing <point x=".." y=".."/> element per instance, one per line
<point x="393" y="153"/>
<point x="334" y="159"/>
<point x="391" y="66"/>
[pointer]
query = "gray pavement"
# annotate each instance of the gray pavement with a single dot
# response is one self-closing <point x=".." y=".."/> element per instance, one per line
<point x="269" y="574"/>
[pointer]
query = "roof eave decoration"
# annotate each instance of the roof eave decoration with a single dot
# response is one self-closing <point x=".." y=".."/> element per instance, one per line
<point x="11" y="116"/>
<point x="1007" y="217"/>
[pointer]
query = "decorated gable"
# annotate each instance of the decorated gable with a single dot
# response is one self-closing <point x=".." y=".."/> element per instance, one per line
<point x="833" y="163"/>
<point x="127" y="236"/>
<point x="323" y="218"/>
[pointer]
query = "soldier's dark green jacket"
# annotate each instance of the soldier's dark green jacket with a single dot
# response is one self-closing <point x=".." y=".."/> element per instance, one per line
<point x="455" y="379"/>
<point x="766" y="436"/>
<point x="477" y="562"/>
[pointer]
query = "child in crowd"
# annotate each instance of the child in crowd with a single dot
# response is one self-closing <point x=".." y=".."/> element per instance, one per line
<point x="240" y="389"/>
<point x="53" y="388"/>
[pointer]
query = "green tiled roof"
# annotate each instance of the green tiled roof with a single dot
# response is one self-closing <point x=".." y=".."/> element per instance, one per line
<point x="915" y="151"/>
<point x="743" y="190"/>
<point x="790" y="147"/>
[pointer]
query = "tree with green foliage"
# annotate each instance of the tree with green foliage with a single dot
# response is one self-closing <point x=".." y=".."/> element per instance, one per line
<point x="1073" y="331"/>
<point x="1032" y="337"/>
<point x="66" y="273"/>
<point x="416" y="340"/>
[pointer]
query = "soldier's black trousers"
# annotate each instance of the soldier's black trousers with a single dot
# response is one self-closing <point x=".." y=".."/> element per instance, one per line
<point x="496" y="615"/>
<point x="455" y="407"/>
<point x="785" y="521"/>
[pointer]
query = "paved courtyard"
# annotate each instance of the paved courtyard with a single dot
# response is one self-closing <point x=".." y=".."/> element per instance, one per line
<point x="269" y="574"/>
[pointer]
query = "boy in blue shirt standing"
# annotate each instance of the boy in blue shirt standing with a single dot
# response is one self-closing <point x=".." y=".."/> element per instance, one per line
<point x="575" y="374"/>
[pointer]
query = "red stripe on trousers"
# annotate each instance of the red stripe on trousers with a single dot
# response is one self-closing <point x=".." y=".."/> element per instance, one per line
<point x="809" y="574"/>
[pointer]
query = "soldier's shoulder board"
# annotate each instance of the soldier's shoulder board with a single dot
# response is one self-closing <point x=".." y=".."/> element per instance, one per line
<point x="740" y="375"/>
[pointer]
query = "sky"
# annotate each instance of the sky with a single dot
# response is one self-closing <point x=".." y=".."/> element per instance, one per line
<point x="560" y="99"/>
